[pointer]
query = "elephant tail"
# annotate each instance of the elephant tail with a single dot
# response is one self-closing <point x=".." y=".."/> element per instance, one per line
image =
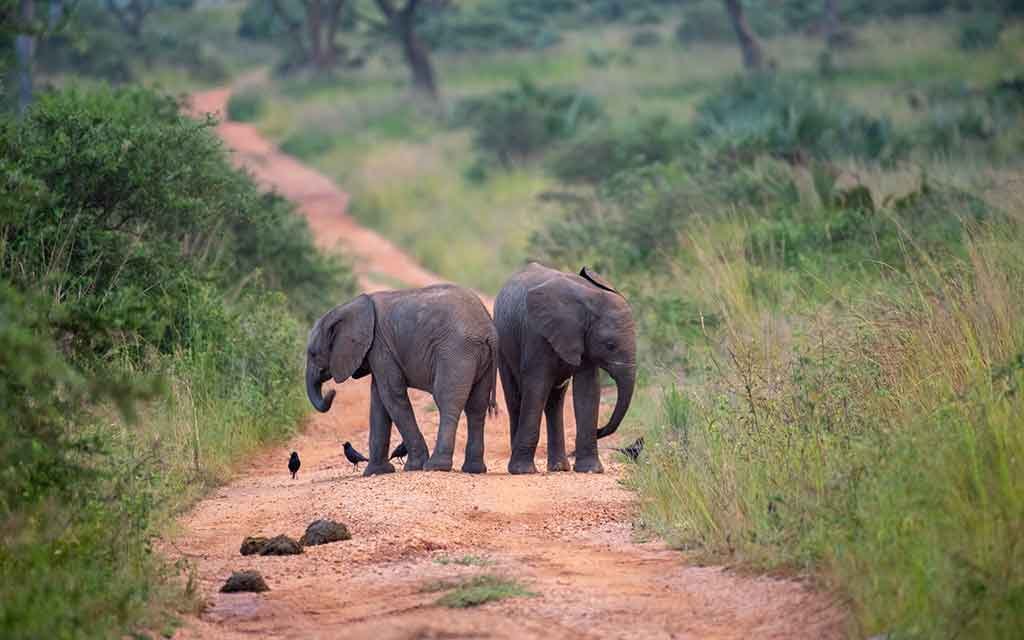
<point x="492" y="398"/>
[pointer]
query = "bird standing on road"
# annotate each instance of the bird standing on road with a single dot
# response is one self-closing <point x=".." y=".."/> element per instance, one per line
<point x="354" y="456"/>
<point x="399" y="452"/>
<point x="632" y="451"/>
<point x="294" y="463"/>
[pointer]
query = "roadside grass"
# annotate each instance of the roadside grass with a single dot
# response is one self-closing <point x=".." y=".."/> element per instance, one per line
<point x="876" y="442"/>
<point x="469" y="560"/>
<point x="477" y="590"/>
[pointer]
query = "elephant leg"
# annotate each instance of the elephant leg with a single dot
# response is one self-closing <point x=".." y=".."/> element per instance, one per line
<point x="476" y="416"/>
<point x="534" y="397"/>
<point x="586" y="398"/>
<point x="396" y="401"/>
<point x="553" y="416"/>
<point x="451" y="390"/>
<point x="510" y="387"/>
<point x="380" y="436"/>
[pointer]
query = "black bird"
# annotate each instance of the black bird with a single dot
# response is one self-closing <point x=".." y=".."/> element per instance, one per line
<point x="632" y="451"/>
<point x="294" y="463"/>
<point x="354" y="456"/>
<point x="399" y="452"/>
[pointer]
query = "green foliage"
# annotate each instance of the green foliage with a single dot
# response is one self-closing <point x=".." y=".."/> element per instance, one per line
<point x="599" y="152"/>
<point x="775" y="457"/>
<point x="980" y="31"/>
<point x="791" y="118"/>
<point x="645" y="38"/>
<point x="246" y="105"/>
<point x="306" y="144"/>
<point x="517" y="123"/>
<point x="132" y="254"/>
<point x="478" y="590"/>
<point x="96" y="45"/>
<point x="708" y="21"/>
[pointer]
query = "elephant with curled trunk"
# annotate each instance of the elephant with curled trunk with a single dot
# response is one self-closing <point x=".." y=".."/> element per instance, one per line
<point x="438" y="339"/>
<point x="553" y="326"/>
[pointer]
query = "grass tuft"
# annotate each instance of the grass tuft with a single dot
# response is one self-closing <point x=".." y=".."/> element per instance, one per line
<point x="475" y="591"/>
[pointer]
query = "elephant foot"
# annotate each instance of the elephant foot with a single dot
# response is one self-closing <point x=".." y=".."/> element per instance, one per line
<point x="378" y="469"/>
<point x="518" y="466"/>
<point x="590" y="464"/>
<point x="438" y="463"/>
<point x="415" y="464"/>
<point x="558" y="464"/>
<point x="474" y="467"/>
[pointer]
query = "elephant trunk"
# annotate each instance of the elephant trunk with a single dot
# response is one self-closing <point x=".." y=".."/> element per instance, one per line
<point x="625" y="381"/>
<point x="315" y="378"/>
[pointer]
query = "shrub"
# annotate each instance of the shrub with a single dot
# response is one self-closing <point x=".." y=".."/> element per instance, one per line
<point x="601" y="151"/>
<point x="307" y="144"/>
<point x="980" y="30"/>
<point x="645" y="38"/>
<point x="790" y="118"/>
<point x="158" y="262"/>
<point x="515" y="124"/>
<point x="245" y="106"/>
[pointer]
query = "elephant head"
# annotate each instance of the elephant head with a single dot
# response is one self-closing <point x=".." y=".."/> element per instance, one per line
<point x="338" y="344"/>
<point x="589" y="322"/>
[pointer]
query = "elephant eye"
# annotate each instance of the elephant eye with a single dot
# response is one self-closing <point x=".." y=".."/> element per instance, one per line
<point x="609" y="345"/>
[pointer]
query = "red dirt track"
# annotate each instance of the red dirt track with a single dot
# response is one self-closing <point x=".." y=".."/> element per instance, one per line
<point x="567" y="537"/>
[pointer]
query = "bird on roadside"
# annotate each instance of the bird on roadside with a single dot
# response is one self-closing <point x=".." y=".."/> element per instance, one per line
<point x="632" y="451"/>
<point x="294" y="463"/>
<point x="399" y="452"/>
<point x="354" y="456"/>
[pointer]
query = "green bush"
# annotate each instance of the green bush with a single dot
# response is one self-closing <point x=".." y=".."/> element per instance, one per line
<point x="307" y="144"/>
<point x="517" y="123"/>
<point x="245" y="106"/>
<point x="980" y="30"/>
<point x="645" y="38"/>
<point x="791" y="118"/>
<point x="134" y="254"/>
<point x="602" y="151"/>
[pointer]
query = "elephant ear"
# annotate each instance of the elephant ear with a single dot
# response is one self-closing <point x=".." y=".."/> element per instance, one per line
<point x="597" y="280"/>
<point x="556" y="311"/>
<point x="350" y="337"/>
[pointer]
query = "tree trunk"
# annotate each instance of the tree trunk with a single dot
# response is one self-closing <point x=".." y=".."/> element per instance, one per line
<point x="25" y="51"/>
<point x="417" y="57"/>
<point x="314" y="24"/>
<point x="753" y="57"/>
<point x="831" y="22"/>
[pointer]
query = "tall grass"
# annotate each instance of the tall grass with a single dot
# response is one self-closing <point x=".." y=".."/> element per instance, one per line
<point x="877" y="440"/>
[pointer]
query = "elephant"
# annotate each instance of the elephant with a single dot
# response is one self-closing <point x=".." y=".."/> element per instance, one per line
<point x="553" y="326"/>
<point x="438" y="339"/>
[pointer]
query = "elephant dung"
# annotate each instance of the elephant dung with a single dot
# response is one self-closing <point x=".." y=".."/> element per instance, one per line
<point x="324" y="532"/>
<point x="281" y="546"/>
<point x="253" y="545"/>
<point x="245" y="581"/>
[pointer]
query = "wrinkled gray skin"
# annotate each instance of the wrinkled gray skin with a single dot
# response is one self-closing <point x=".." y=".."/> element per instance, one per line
<point x="438" y="339"/>
<point x="553" y="326"/>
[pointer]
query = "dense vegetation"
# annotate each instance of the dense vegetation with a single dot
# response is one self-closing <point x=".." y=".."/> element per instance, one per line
<point x="823" y="259"/>
<point x="152" y="305"/>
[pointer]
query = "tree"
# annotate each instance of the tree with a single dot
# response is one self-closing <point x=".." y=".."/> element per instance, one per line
<point x="402" y="24"/>
<point x="315" y="35"/>
<point x="132" y="14"/>
<point x="753" y="56"/>
<point x="21" y="20"/>
<point x="831" y="22"/>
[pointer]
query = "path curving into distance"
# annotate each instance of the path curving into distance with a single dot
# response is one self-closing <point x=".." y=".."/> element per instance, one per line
<point x="567" y="537"/>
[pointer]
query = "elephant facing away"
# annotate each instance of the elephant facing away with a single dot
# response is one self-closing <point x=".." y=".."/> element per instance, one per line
<point x="553" y="326"/>
<point x="438" y="339"/>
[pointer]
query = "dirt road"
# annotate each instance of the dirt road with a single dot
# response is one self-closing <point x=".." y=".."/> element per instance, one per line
<point x="568" y="538"/>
